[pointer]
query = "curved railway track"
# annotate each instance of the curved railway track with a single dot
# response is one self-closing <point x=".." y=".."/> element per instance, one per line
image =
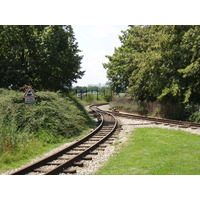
<point x="63" y="162"/>
<point x="181" y="124"/>
<point x="69" y="159"/>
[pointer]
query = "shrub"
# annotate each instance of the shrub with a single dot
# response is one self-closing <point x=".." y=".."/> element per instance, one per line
<point x="89" y="98"/>
<point x="56" y="116"/>
<point x="195" y="117"/>
<point x="107" y="97"/>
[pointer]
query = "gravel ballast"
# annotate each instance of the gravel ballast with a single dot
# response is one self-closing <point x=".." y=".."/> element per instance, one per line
<point x="127" y="125"/>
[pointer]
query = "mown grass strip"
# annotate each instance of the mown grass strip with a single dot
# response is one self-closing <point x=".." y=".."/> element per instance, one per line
<point x="156" y="151"/>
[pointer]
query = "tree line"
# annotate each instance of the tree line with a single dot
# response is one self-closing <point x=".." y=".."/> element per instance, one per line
<point x="157" y="63"/>
<point x="93" y="92"/>
<point x="43" y="56"/>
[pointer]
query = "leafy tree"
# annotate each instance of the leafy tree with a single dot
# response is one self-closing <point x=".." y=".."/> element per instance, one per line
<point x="17" y="50"/>
<point x="191" y="70"/>
<point x="157" y="63"/>
<point x="46" y="57"/>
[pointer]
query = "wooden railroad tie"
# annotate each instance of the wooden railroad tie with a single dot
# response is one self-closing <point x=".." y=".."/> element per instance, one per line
<point x="69" y="171"/>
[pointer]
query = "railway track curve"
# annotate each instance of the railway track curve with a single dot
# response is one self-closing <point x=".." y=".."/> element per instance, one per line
<point x="69" y="159"/>
<point x="181" y="124"/>
<point x="64" y="161"/>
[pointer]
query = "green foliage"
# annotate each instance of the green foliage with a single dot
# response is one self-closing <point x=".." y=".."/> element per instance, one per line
<point x="45" y="57"/>
<point x="56" y="113"/>
<point x="157" y="63"/>
<point x="90" y="98"/>
<point x="29" y="130"/>
<point x="91" y="94"/>
<point x="28" y="147"/>
<point x="107" y="97"/>
<point x="154" y="109"/>
<point x="155" y="151"/>
<point x="195" y="117"/>
<point x="12" y="140"/>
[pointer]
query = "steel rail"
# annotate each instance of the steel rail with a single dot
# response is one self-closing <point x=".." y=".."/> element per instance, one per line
<point x="68" y="163"/>
<point x="82" y="154"/>
<point x="185" y="124"/>
<point x="41" y="162"/>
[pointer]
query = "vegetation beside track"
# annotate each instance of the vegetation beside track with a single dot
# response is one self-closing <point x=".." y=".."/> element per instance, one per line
<point x="93" y="94"/>
<point x="27" y="131"/>
<point x="156" y="151"/>
<point x="159" y="67"/>
<point x="188" y="112"/>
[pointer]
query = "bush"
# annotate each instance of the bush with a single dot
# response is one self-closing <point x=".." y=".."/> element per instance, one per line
<point x="56" y="113"/>
<point x="89" y="98"/>
<point x="195" y="117"/>
<point x="12" y="140"/>
<point x="27" y="131"/>
<point x="127" y="104"/>
<point x="107" y="97"/>
<point x="56" y="116"/>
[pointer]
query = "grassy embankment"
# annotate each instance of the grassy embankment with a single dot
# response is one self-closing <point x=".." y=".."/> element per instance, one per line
<point x="155" y="151"/>
<point x="27" y="131"/>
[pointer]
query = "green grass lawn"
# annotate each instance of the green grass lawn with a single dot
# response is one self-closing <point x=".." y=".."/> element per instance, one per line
<point x="156" y="151"/>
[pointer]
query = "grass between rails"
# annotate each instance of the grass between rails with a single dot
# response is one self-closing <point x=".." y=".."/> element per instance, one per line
<point x="156" y="151"/>
<point x="27" y="131"/>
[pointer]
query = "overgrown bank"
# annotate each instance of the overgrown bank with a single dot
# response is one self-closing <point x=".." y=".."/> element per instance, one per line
<point x="29" y="130"/>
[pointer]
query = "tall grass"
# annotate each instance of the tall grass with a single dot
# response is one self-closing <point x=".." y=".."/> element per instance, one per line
<point x="28" y="130"/>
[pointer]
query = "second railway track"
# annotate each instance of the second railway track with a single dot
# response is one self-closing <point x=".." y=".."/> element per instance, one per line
<point x="171" y="122"/>
<point x="68" y="159"/>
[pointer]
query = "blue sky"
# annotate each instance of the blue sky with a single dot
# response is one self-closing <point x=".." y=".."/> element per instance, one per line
<point x="96" y="41"/>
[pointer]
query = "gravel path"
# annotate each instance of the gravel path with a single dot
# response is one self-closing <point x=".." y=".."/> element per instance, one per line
<point x="128" y="125"/>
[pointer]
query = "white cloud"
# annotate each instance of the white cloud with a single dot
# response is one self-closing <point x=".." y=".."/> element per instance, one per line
<point x="103" y="31"/>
